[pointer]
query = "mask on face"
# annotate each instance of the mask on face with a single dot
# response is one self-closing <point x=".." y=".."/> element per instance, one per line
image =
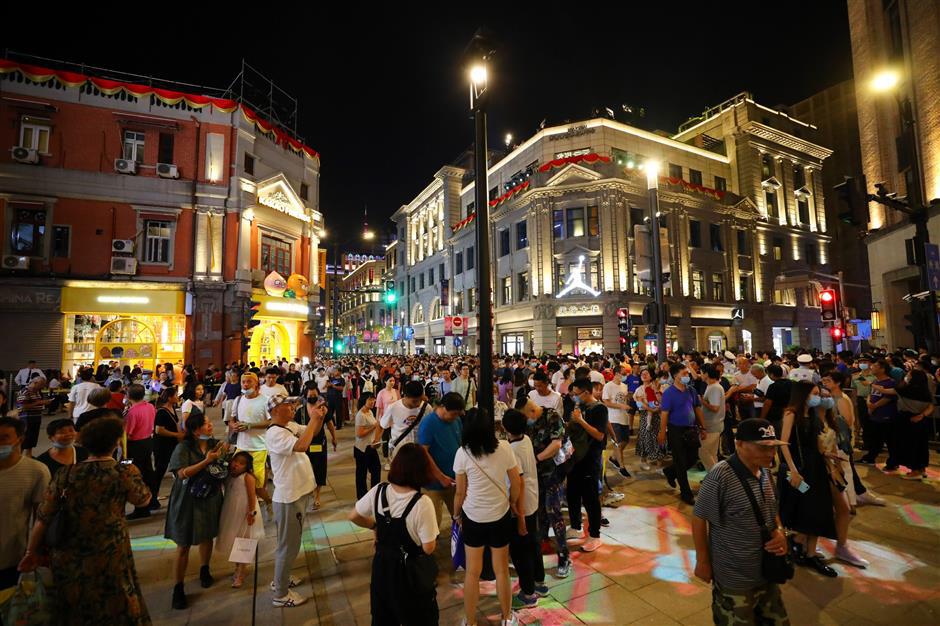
<point x="814" y="401"/>
<point x="863" y="366"/>
<point x="827" y="403"/>
<point x="530" y="422"/>
<point x="245" y="392"/>
<point x="312" y="399"/>
<point x="61" y="446"/>
<point x="205" y="437"/>
<point x="684" y="380"/>
<point x="415" y="377"/>
<point x="5" y="452"/>
<point x="577" y="400"/>
<point x="532" y="383"/>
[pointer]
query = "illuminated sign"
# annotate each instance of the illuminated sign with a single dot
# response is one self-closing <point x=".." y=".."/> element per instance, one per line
<point x="573" y="310"/>
<point x="279" y="201"/>
<point x="287" y="307"/>
<point x="123" y="300"/>
<point x="575" y="281"/>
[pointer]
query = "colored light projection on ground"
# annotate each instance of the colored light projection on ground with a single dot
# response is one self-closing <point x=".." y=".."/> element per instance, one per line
<point x="887" y="578"/>
<point x="922" y="515"/>
<point x="152" y="542"/>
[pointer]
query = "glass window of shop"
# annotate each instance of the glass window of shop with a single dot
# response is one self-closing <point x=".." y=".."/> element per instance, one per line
<point x="141" y="340"/>
<point x="28" y="230"/>
<point x="698" y="285"/>
<point x="275" y="256"/>
<point x="513" y="343"/>
<point x="590" y="340"/>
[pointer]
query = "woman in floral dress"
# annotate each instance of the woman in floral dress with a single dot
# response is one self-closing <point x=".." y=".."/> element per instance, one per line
<point x="647" y="397"/>
<point x="95" y="579"/>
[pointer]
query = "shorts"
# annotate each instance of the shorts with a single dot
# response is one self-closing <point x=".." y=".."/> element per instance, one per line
<point x="258" y="457"/>
<point x="33" y="422"/>
<point x="487" y="534"/>
<point x="621" y="432"/>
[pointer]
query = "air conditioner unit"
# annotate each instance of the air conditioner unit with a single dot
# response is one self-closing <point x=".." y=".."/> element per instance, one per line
<point x="13" y="262"/>
<point x="123" y="265"/>
<point x="122" y="245"/>
<point x="25" y="155"/>
<point x="167" y="170"/>
<point x="125" y="166"/>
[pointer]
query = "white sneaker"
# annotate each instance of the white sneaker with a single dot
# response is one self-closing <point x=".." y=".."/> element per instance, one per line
<point x="591" y="544"/>
<point x="869" y="497"/>
<point x="512" y="621"/>
<point x="574" y="533"/>
<point x="291" y="599"/>
<point x="645" y="466"/>
<point x="291" y="583"/>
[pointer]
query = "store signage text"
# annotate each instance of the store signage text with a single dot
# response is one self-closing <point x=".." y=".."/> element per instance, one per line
<point x="123" y="300"/>
<point x="574" y="310"/>
<point x="287" y="307"/>
<point x="35" y="300"/>
<point x="279" y="201"/>
<point x="573" y="131"/>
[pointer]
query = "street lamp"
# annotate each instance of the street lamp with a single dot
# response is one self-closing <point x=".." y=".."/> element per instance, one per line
<point x="478" y="53"/>
<point x="652" y="185"/>
<point x="886" y="80"/>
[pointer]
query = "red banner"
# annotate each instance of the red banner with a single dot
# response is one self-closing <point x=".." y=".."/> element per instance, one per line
<point x="448" y="326"/>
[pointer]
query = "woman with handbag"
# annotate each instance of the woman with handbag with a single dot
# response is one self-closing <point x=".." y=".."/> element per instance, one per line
<point x="82" y="522"/>
<point x="647" y="400"/>
<point x="404" y="572"/>
<point x="483" y="465"/>
<point x="192" y="516"/>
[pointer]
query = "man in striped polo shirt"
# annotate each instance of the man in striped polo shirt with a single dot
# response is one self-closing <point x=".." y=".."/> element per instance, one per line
<point x="728" y="540"/>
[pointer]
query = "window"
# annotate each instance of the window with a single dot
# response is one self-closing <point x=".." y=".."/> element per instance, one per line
<point x="714" y="230"/>
<point x="698" y="285"/>
<point x="594" y="227"/>
<point x="721" y="184"/>
<point x="695" y="177"/>
<point x="522" y="235"/>
<point x="811" y="254"/>
<point x="165" y="148"/>
<point x="718" y="288"/>
<point x="304" y="191"/>
<point x="458" y="302"/>
<point x="401" y="288"/>
<point x="440" y="271"/>
<point x="431" y="276"/>
<point x="275" y="255"/>
<point x="458" y="263"/>
<point x="522" y="280"/>
<point x="158" y="236"/>
<point x="743" y="247"/>
<point x="413" y="284"/>
<point x="401" y="257"/>
<point x="471" y="258"/>
<point x="695" y="234"/>
<point x="744" y="288"/>
<point x="799" y="177"/>
<point x="675" y="171"/>
<point x="61" y="238"/>
<point x="506" y="284"/>
<point x="575" y="222"/>
<point x="34" y="136"/>
<point x="766" y="166"/>
<point x="28" y="231"/>
<point x="812" y="297"/>
<point x="249" y="164"/>
<point x="786" y="297"/>
<point x="471" y="209"/>
<point x="558" y="225"/>
<point x="134" y="146"/>
<point x="421" y="281"/>
<point x="778" y="248"/>
<point x="503" y="242"/>
<point x="494" y="192"/>
<point x="803" y="207"/>
<point x="770" y="199"/>
<point x="636" y="216"/>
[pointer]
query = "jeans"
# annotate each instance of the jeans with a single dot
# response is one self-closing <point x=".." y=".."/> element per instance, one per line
<point x="367" y="463"/>
<point x="582" y="488"/>
<point x="526" y="555"/>
<point x="683" y="456"/>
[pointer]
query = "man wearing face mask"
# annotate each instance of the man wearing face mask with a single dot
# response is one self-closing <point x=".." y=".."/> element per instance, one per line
<point x="23" y="483"/>
<point x="862" y="380"/>
<point x="591" y="416"/>
<point x="251" y="421"/>
<point x="681" y="411"/>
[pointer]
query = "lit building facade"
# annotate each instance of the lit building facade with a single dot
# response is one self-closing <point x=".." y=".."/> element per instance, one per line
<point x="740" y="196"/>
<point x="898" y="35"/>
<point x="366" y="320"/>
<point x="138" y="222"/>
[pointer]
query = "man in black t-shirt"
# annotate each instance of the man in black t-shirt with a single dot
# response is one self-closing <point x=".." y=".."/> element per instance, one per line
<point x="590" y="415"/>
<point x="777" y="397"/>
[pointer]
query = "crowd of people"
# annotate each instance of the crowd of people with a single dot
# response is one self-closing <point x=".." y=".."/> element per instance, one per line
<point x="783" y="428"/>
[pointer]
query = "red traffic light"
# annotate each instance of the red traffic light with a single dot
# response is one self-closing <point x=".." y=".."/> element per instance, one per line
<point x="836" y="332"/>
<point x="623" y="312"/>
<point x="828" y="306"/>
<point x="826" y="295"/>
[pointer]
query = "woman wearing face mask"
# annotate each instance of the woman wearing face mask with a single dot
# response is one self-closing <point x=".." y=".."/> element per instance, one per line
<point x="317" y="451"/>
<point x="648" y="400"/>
<point x="63" y="452"/>
<point x="807" y="511"/>
<point x="193" y="521"/>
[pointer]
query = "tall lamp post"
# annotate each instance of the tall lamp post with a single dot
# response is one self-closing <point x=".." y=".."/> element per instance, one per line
<point x="652" y="185"/>
<point x="480" y="51"/>
<point x="365" y="235"/>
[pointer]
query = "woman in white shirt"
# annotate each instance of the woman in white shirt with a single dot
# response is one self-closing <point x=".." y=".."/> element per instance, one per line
<point x="482" y="507"/>
<point x="367" y="457"/>
<point x="196" y="404"/>
<point x="403" y="519"/>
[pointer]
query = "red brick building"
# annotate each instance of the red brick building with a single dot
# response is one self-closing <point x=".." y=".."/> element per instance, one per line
<point x="138" y="221"/>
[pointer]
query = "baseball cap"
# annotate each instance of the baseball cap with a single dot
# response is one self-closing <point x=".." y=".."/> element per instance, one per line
<point x="279" y="399"/>
<point x="758" y="431"/>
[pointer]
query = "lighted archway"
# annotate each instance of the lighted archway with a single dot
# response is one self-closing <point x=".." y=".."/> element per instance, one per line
<point x="269" y="340"/>
<point x="417" y="314"/>
<point x="128" y="341"/>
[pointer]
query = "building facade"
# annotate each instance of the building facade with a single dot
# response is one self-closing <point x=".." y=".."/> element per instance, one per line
<point x="138" y="223"/>
<point x="740" y="199"/>
<point x="365" y="319"/>
<point x="899" y="35"/>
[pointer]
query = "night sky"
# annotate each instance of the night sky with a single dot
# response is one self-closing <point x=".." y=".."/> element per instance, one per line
<point x="382" y="92"/>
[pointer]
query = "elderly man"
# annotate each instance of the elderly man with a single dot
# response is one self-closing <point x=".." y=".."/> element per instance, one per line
<point x="287" y="443"/>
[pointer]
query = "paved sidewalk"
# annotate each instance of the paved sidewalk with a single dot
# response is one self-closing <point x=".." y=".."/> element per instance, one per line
<point x="642" y="575"/>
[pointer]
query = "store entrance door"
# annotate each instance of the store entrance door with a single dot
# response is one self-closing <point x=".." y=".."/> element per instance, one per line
<point x="269" y="341"/>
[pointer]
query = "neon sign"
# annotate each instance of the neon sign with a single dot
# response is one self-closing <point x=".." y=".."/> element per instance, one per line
<point x="576" y="281"/>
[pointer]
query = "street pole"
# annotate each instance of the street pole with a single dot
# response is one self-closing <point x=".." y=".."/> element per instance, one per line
<point x="478" y="97"/>
<point x="652" y="183"/>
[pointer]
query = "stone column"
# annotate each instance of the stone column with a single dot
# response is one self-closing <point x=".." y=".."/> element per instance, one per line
<point x="609" y="328"/>
<point x="685" y="332"/>
<point x="544" y="332"/>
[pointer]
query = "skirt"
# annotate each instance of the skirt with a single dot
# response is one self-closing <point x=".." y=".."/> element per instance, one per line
<point x="647" y="446"/>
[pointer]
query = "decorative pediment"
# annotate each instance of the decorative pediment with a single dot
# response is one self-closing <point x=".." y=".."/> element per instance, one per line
<point x="573" y="174"/>
<point x="276" y="193"/>
<point x="747" y="206"/>
<point x="771" y="183"/>
<point x="803" y="192"/>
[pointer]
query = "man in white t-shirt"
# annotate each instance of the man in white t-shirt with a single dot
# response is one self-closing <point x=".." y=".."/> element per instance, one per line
<point x="558" y="376"/>
<point x="251" y="420"/>
<point x="287" y="443"/>
<point x="400" y="415"/>
<point x="615" y="397"/>
<point x="763" y="382"/>
<point x="26" y="374"/>
<point x="544" y="396"/>
<point x="323" y="381"/>
<point x="595" y="373"/>
<point x="78" y="395"/>
<point x="271" y="387"/>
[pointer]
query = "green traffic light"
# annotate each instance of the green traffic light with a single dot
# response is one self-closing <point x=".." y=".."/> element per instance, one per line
<point x="390" y="298"/>
<point x="338" y="346"/>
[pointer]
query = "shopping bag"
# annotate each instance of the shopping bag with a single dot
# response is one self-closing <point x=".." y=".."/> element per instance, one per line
<point x="457" y="554"/>
<point x="29" y="605"/>
<point x="243" y="550"/>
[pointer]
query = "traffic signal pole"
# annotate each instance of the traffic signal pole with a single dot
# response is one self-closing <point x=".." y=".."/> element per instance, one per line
<point x="657" y="270"/>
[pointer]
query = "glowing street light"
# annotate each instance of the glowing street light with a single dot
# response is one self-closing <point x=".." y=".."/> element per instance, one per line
<point x="478" y="75"/>
<point x="886" y="80"/>
<point x="652" y="174"/>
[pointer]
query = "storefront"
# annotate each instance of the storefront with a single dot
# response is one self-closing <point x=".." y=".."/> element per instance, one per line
<point x="281" y="328"/>
<point x="581" y="340"/>
<point x="783" y="339"/>
<point x="515" y="343"/>
<point x="139" y="326"/>
<point x="649" y="340"/>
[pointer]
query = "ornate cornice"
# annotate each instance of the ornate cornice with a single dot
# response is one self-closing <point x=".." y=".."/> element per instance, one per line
<point x="780" y="138"/>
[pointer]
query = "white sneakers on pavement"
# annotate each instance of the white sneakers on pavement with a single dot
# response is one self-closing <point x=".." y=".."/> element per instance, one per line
<point x="591" y="544"/>
<point x="291" y="583"/>
<point x="290" y="600"/>
<point x="872" y="498"/>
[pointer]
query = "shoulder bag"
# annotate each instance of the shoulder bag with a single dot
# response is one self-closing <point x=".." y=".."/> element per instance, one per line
<point x="57" y="530"/>
<point x="775" y="568"/>
<point x="411" y="427"/>
<point x="419" y="571"/>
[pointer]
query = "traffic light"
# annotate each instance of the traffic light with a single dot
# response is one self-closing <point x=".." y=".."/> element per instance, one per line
<point x="254" y="307"/>
<point x="853" y="196"/>
<point x="836" y="333"/>
<point x="337" y="346"/>
<point x="623" y="325"/>
<point x="829" y="305"/>
<point x="643" y="251"/>
<point x="390" y="296"/>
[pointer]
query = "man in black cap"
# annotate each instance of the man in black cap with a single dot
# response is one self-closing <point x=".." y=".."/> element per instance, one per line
<point x="729" y="540"/>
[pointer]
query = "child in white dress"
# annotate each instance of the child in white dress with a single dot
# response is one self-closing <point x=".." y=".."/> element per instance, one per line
<point x="241" y="514"/>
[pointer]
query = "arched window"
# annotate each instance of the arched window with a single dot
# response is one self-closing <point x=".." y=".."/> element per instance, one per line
<point x="436" y="312"/>
<point x="417" y="314"/>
